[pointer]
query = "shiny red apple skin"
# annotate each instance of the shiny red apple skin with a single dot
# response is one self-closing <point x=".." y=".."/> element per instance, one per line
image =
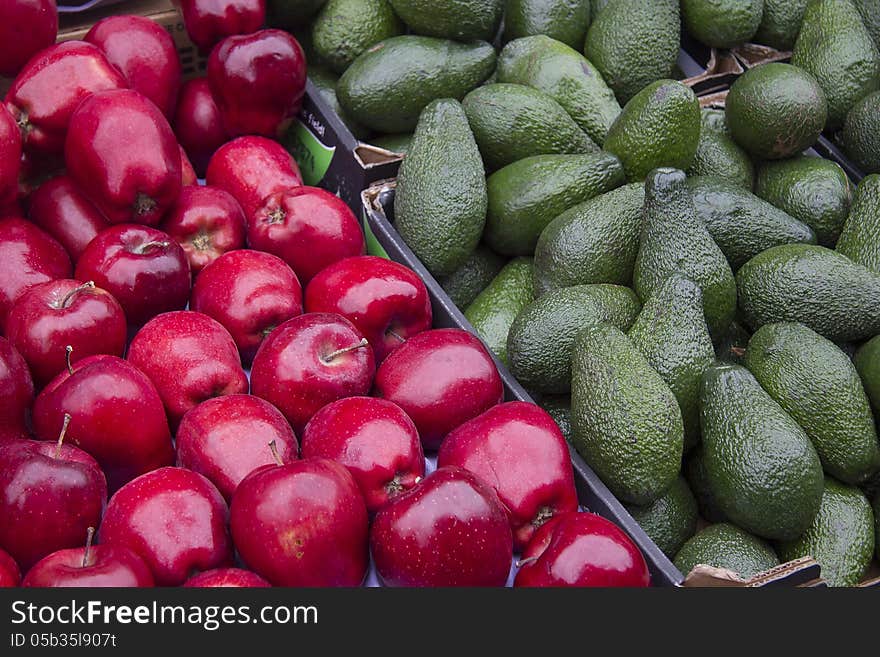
<point x="26" y="27"/>
<point x="209" y="21"/>
<point x="16" y="390"/>
<point x="123" y="155"/>
<point x="10" y="156"/>
<point x="206" y="222"/>
<point x="189" y="357"/>
<point x="302" y="524"/>
<point x="145" y="54"/>
<point x="143" y="268"/>
<point x="51" y="316"/>
<point x="47" y="503"/>
<point x="374" y="439"/>
<point x="441" y="378"/>
<point x="188" y="176"/>
<point x="51" y="86"/>
<point x="197" y="123"/>
<point x="307" y="227"/>
<point x="174" y="519"/>
<point x="249" y="293"/>
<point x="227" y="578"/>
<point x="227" y="438"/>
<point x="251" y="168"/>
<point x="258" y="81"/>
<point x="292" y="369"/>
<point x="10" y="575"/>
<point x="450" y="530"/>
<point x="116" y="416"/>
<point x="106" y="566"/>
<point x="28" y="256"/>
<point x="582" y="549"/>
<point x="518" y="449"/>
<point x="59" y="208"/>
<point x="388" y="302"/>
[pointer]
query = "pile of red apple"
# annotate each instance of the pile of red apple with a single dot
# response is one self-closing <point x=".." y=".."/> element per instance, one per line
<point x="257" y="416"/>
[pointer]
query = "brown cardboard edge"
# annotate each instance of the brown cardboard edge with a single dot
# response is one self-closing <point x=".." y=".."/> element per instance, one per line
<point x="369" y="156"/>
<point x="703" y="576"/>
<point x="751" y="55"/>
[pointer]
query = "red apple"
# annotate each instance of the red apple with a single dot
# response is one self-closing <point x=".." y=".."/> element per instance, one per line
<point x="28" y="256"/>
<point x="249" y="293"/>
<point x="26" y="27"/>
<point x="581" y="549"/>
<point x="189" y="357"/>
<point x="188" y="176"/>
<point x="227" y="438"/>
<point x="258" y="81"/>
<point x="117" y="416"/>
<point x="16" y="390"/>
<point x="50" y="494"/>
<point x="441" y="378"/>
<point x="10" y="156"/>
<point x="197" y="123"/>
<point x="91" y="566"/>
<point x="518" y="449"/>
<point x="51" y="318"/>
<point x="301" y="524"/>
<point x="10" y="575"/>
<point x="388" y="302"/>
<point x="450" y="530"/>
<point x="207" y="222"/>
<point x="310" y="361"/>
<point x="252" y="168"/>
<point x="374" y="439"/>
<point x="60" y="209"/>
<point x="145" y="54"/>
<point x="174" y="519"/>
<point x="307" y="227"/>
<point x="226" y="578"/>
<point x="209" y="21"/>
<point x="143" y="268"/>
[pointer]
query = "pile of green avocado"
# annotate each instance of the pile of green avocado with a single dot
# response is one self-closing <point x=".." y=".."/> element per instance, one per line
<point x="693" y="298"/>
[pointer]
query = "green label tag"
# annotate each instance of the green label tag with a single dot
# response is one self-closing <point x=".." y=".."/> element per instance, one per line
<point x="309" y="152"/>
<point x="373" y="246"/>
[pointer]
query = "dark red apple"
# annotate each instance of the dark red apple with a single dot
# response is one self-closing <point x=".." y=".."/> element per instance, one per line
<point x="50" y="494"/>
<point x="581" y="549"/>
<point x="91" y="566"/>
<point x="197" y="123"/>
<point x="252" y="168"/>
<point x="16" y="390"/>
<point x="60" y="209"/>
<point x="301" y="524"/>
<point x="249" y="293"/>
<point x="10" y="575"/>
<point x="388" y="302"/>
<point x="189" y="357"/>
<point x="174" y="519"/>
<point x="226" y="578"/>
<point x="208" y="21"/>
<point x="310" y="361"/>
<point x="51" y="317"/>
<point x="518" y="449"/>
<point x="441" y="378"/>
<point x="143" y="268"/>
<point x="207" y="222"/>
<point x="26" y="27"/>
<point x="227" y="438"/>
<point x="145" y="53"/>
<point x="258" y="81"/>
<point x="450" y="530"/>
<point x="28" y="256"/>
<point x="10" y="156"/>
<point x="117" y="416"/>
<point x="374" y="439"/>
<point x="307" y="227"/>
<point x="188" y="177"/>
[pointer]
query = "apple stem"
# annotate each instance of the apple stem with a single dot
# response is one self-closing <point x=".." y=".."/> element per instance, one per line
<point x="79" y="288"/>
<point x="360" y="345"/>
<point x="90" y="535"/>
<point x="143" y="249"/>
<point x="393" y="334"/>
<point x="68" y="353"/>
<point x="60" y="442"/>
<point x="526" y="562"/>
<point x="274" y="449"/>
